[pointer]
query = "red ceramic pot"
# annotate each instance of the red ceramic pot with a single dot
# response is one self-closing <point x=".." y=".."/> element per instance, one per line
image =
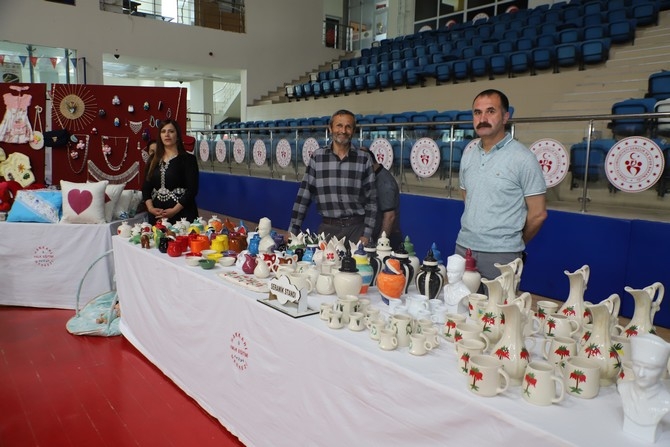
<point x="174" y="249"/>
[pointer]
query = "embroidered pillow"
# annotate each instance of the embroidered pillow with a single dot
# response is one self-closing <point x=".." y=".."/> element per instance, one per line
<point x="42" y="206"/>
<point x="112" y="196"/>
<point x="83" y="203"/>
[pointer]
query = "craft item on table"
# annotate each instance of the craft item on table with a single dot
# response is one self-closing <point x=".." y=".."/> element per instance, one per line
<point x="146" y="105"/>
<point x="117" y="122"/>
<point x="17" y="167"/>
<point x="288" y="298"/>
<point x="74" y="106"/>
<point x="429" y="280"/>
<point x="573" y="307"/>
<point x="471" y="277"/>
<point x="246" y="281"/>
<point x="41" y="206"/>
<point x="82" y="145"/>
<point x="456" y="292"/>
<point x="516" y="267"/>
<point x="347" y="281"/>
<point x="83" y="203"/>
<point x="37" y="140"/>
<point x="8" y="191"/>
<point x="365" y="270"/>
<point x="107" y="150"/>
<point x="116" y="101"/>
<point x="405" y="263"/>
<point x="123" y="177"/>
<point x="413" y="259"/>
<point x="131" y="109"/>
<point x="599" y="344"/>
<point x="647" y="303"/>
<point x="15" y="126"/>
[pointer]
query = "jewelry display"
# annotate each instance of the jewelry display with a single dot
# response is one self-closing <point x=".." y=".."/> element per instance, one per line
<point x="123" y="177"/>
<point x="107" y="150"/>
<point x="135" y="126"/>
<point x="82" y="143"/>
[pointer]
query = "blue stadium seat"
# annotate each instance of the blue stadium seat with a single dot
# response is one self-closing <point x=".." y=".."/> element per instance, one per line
<point x="659" y="85"/>
<point x="622" y="31"/>
<point x="479" y="66"/>
<point x="594" y="51"/>
<point x="499" y="64"/>
<point x="596" y="162"/>
<point x="632" y="126"/>
<point x="307" y="89"/>
<point x="336" y="84"/>
<point x="359" y="83"/>
<point x="543" y="58"/>
<point x="645" y="12"/>
<point x="443" y="72"/>
<point x="567" y="55"/>
<point x="459" y="69"/>
<point x="520" y="62"/>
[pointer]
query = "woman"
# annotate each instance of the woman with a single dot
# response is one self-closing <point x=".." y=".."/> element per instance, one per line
<point x="171" y="182"/>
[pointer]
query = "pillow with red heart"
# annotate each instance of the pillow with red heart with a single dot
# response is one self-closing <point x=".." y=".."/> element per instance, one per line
<point x="83" y="203"/>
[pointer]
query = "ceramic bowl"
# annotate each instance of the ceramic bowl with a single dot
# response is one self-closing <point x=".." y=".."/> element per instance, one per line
<point x="214" y="256"/>
<point x="207" y="252"/>
<point x="207" y="263"/>
<point x="227" y="261"/>
<point x="193" y="261"/>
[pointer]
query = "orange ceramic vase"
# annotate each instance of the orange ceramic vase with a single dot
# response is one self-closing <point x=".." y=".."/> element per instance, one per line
<point x="391" y="280"/>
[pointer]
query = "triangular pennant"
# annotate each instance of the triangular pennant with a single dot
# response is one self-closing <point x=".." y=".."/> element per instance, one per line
<point x="33" y="60"/>
<point x="73" y="60"/>
<point x="2" y="59"/>
<point x="54" y="61"/>
<point x="23" y="60"/>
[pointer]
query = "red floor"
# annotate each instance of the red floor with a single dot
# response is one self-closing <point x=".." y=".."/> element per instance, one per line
<point x="58" y="389"/>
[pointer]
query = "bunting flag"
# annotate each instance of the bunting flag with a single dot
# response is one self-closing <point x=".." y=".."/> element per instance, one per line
<point x="23" y="60"/>
<point x="33" y="60"/>
<point x="74" y="62"/>
<point x="54" y="61"/>
<point x="2" y="59"/>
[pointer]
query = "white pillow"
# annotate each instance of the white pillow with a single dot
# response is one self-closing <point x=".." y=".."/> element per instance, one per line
<point x="83" y="203"/>
<point x="112" y="195"/>
<point x="127" y="204"/>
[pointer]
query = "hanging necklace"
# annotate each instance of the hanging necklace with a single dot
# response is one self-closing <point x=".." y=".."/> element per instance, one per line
<point x="124" y="177"/>
<point x="135" y="126"/>
<point x="107" y="150"/>
<point x="37" y="141"/>
<point x="73" y="154"/>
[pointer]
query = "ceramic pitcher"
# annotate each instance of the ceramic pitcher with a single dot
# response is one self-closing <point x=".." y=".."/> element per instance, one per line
<point x="491" y="318"/>
<point x="516" y="268"/>
<point x="573" y="307"/>
<point x="647" y="303"/>
<point x="510" y="348"/>
<point x="599" y="345"/>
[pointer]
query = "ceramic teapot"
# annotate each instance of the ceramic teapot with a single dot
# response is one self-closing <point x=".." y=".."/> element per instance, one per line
<point x="124" y="230"/>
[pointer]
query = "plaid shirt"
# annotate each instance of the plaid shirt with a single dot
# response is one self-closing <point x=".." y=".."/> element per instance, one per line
<point x="341" y="188"/>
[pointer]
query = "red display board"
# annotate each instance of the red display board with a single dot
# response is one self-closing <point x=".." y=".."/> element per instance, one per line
<point x="111" y="126"/>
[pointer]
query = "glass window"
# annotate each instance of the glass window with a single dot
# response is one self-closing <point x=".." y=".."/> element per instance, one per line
<point x="33" y="63"/>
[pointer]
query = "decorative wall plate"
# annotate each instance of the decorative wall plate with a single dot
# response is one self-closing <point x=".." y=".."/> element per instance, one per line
<point x="383" y="151"/>
<point x="308" y="148"/>
<point x="74" y="106"/>
<point x="220" y="151"/>
<point x="425" y="157"/>
<point x="260" y="152"/>
<point x="471" y="145"/>
<point x="634" y="164"/>
<point x="553" y="159"/>
<point x="283" y="153"/>
<point x="239" y="150"/>
<point x="203" y="148"/>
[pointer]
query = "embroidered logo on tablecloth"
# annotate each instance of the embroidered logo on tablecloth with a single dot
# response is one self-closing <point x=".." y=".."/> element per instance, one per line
<point x="239" y="352"/>
<point x="44" y="256"/>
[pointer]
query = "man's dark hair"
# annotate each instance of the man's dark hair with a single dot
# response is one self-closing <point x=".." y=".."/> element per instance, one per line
<point x="504" y="102"/>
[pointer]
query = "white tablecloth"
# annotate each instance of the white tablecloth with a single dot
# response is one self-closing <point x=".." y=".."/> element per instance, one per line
<point x="274" y="380"/>
<point x="41" y="265"/>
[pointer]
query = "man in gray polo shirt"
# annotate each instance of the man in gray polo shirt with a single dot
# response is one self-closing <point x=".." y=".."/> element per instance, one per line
<point x="503" y="189"/>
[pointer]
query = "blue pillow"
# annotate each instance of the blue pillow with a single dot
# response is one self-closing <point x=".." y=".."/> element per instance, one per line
<point x="42" y="206"/>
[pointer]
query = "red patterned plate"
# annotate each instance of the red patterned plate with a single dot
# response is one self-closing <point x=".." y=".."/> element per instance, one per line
<point x="308" y="149"/>
<point x="220" y="150"/>
<point x="425" y="157"/>
<point x="260" y="152"/>
<point x="203" y="148"/>
<point x="553" y="159"/>
<point x="239" y="150"/>
<point x="634" y="164"/>
<point x="383" y="151"/>
<point x="283" y="153"/>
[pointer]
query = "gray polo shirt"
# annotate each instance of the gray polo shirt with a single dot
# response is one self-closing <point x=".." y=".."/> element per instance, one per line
<point x="496" y="184"/>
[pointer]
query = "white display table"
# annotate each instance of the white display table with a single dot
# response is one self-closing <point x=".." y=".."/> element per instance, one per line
<point x="274" y="380"/>
<point x="41" y="265"/>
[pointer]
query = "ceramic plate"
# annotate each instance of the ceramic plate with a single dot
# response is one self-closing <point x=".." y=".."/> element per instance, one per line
<point x="203" y="148"/>
<point x="425" y="157"/>
<point x="239" y="150"/>
<point x="220" y="150"/>
<point x="553" y="159"/>
<point x="383" y="151"/>
<point x="634" y="164"/>
<point x="260" y="152"/>
<point x="283" y="153"/>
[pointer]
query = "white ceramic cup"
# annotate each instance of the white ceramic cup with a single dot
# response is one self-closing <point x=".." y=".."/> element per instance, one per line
<point x="621" y="344"/>
<point x="435" y="303"/>
<point x="545" y="308"/>
<point x="402" y="325"/>
<point x="432" y="336"/>
<point x="486" y="376"/>
<point x="449" y="327"/>
<point x="376" y="327"/>
<point x="556" y="350"/>
<point x="356" y="321"/>
<point x="465" y="350"/>
<point x="394" y="303"/>
<point x="581" y="377"/>
<point x="557" y="325"/>
<point x="476" y="302"/>
<point x="540" y="385"/>
<point x="420" y="325"/>
<point x="324" y="311"/>
<point x="439" y="316"/>
<point x="324" y="284"/>
<point x="418" y="345"/>
<point x="470" y="331"/>
<point x="345" y="304"/>
<point x="422" y="314"/>
<point x="387" y="340"/>
<point x="301" y="281"/>
<point x="371" y="312"/>
<point x="335" y="319"/>
<point x="363" y="304"/>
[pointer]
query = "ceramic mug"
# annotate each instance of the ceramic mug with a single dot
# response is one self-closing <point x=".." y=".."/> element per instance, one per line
<point x="418" y="345"/>
<point x="394" y="303"/>
<point x="545" y="308"/>
<point x="335" y="319"/>
<point x="539" y="384"/>
<point x="356" y="321"/>
<point x="363" y="304"/>
<point x="486" y="376"/>
<point x="324" y="311"/>
<point x="402" y="325"/>
<point x="422" y="314"/>
<point x="581" y="377"/>
<point x="556" y="350"/>
<point x="470" y="331"/>
<point x="387" y="340"/>
<point x="345" y="304"/>
<point x="449" y="327"/>
<point x="376" y="327"/>
<point x="420" y="325"/>
<point x="621" y="344"/>
<point x="371" y="313"/>
<point x="557" y="325"/>
<point x="465" y="350"/>
<point x="476" y="301"/>
<point x="431" y="336"/>
<point x="435" y="303"/>
<point x="324" y="284"/>
<point x="439" y="315"/>
<point x="415" y="303"/>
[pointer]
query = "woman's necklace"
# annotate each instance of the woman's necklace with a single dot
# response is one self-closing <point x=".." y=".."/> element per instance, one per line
<point x="107" y="150"/>
<point x="74" y="153"/>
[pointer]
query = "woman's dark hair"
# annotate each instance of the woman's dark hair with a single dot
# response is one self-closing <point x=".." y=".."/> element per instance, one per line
<point x="160" y="147"/>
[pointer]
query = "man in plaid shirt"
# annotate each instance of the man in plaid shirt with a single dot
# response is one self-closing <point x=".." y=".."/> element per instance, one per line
<point x="341" y="180"/>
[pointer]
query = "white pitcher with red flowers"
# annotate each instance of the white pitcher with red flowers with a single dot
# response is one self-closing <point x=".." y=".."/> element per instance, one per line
<point x="511" y="348"/>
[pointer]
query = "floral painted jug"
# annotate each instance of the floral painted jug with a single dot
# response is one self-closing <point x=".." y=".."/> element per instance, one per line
<point x="599" y="344"/>
<point x="516" y="268"/>
<point x="647" y="303"/>
<point x="573" y="307"/>
<point x="511" y="348"/>
<point x="491" y="319"/>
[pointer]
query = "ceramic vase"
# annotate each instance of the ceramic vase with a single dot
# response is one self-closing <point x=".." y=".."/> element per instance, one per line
<point x="510" y="348"/>
<point x="383" y="247"/>
<point x="573" y="307"/>
<point x="346" y="280"/>
<point x="375" y="263"/>
<point x="406" y="265"/>
<point x="647" y="303"/>
<point x="411" y="255"/>
<point x="364" y="268"/>
<point x="391" y="280"/>
<point x="429" y="281"/>
<point x="516" y="268"/>
<point x="491" y="318"/>
<point x="471" y="277"/>
<point x="124" y="230"/>
<point x="599" y="343"/>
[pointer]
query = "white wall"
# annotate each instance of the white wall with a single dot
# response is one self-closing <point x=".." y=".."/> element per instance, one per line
<point x="282" y="42"/>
